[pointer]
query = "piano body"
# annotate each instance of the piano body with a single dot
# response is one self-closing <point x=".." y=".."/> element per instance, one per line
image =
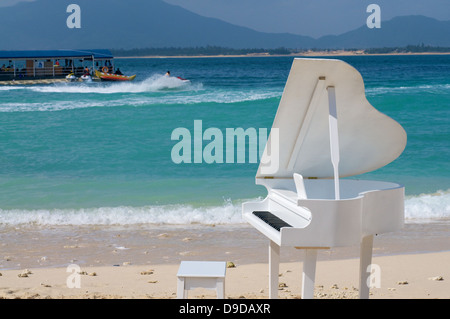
<point x="324" y="131"/>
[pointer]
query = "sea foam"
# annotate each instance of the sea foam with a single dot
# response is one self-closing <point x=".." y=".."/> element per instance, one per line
<point x="154" y="91"/>
<point x="413" y="89"/>
<point x="421" y="208"/>
<point x="153" y="83"/>
<point x="428" y="206"/>
<point x="125" y="215"/>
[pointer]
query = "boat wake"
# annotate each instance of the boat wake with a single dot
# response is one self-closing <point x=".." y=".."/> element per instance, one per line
<point x="154" y="90"/>
<point x="154" y="83"/>
<point x="413" y="89"/>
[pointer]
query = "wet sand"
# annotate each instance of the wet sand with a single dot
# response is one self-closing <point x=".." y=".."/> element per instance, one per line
<point x="56" y="246"/>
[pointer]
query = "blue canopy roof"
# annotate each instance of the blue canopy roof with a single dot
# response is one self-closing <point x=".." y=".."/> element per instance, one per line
<point x="48" y="54"/>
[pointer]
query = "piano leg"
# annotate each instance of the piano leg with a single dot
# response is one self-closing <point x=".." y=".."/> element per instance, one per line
<point x="364" y="262"/>
<point x="274" y="269"/>
<point x="309" y="273"/>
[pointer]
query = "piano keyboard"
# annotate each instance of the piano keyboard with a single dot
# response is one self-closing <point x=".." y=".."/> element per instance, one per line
<point x="271" y="220"/>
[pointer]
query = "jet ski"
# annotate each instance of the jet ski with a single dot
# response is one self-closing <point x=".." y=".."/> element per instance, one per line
<point x="71" y="77"/>
<point x="86" y="77"/>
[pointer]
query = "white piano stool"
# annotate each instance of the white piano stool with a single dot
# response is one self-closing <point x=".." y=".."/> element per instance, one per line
<point x="201" y="274"/>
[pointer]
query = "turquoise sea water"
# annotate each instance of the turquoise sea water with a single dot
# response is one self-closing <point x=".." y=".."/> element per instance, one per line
<point x="100" y="153"/>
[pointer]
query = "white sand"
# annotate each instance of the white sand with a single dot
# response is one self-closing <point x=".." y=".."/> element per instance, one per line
<point x="401" y="276"/>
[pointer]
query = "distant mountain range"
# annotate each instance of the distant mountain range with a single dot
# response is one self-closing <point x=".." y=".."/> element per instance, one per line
<point x="398" y="32"/>
<point x="119" y="24"/>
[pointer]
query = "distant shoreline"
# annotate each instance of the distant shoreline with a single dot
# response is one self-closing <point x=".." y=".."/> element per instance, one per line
<point x="305" y="54"/>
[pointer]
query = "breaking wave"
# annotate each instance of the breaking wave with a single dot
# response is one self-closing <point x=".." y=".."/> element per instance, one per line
<point x="228" y="213"/>
<point x="428" y="206"/>
<point x="421" y="208"/>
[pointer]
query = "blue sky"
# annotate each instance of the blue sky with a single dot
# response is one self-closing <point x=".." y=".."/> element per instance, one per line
<point x="305" y="17"/>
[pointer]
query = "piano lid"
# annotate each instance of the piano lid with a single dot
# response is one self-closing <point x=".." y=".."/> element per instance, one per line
<point x="367" y="138"/>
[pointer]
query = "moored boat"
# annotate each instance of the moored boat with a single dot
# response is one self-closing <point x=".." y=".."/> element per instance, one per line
<point x="50" y="66"/>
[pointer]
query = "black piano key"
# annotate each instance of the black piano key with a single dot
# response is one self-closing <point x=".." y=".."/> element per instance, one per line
<point x="271" y="219"/>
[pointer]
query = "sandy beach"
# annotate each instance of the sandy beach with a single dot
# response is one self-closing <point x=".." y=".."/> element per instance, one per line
<point x="142" y="262"/>
<point x="403" y="277"/>
<point x="310" y="53"/>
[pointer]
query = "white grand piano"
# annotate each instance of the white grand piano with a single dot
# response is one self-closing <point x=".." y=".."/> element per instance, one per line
<point x="325" y="130"/>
